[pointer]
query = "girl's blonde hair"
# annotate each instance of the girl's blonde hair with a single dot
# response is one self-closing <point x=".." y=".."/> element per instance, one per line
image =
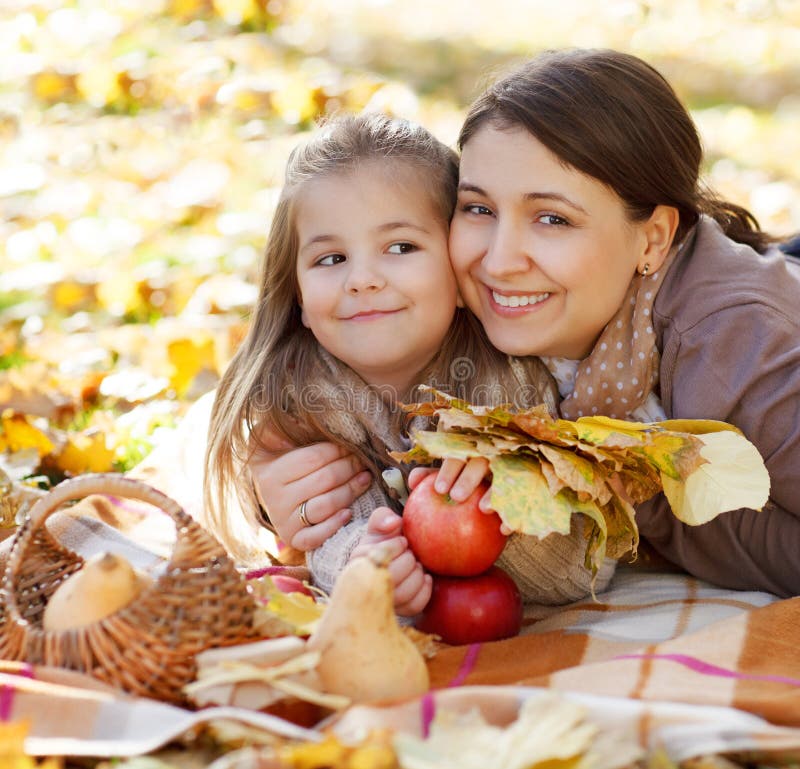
<point x="277" y="357"/>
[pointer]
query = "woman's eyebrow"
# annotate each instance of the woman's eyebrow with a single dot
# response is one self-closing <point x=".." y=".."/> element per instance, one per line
<point x="467" y="187"/>
<point x="554" y="196"/>
<point x="528" y="196"/>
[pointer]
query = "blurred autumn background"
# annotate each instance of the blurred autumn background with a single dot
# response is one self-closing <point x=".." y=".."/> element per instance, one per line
<point x="141" y="151"/>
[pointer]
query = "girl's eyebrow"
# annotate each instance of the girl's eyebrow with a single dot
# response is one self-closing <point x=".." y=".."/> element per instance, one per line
<point x="528" y="196"/>
<point x="400" y="225"/>
<point x="315" y="240"/>
<point x="387" y="227"/>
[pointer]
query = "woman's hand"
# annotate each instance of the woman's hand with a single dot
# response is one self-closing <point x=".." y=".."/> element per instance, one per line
<point x="458" y="479"/>
<point x="324" y="475"/>
<point x="412" y="586"/>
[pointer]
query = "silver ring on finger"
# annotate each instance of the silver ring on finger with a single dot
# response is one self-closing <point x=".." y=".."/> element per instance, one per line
<point x="304" y="514"/>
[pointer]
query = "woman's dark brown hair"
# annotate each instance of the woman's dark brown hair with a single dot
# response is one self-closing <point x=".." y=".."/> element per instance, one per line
<point x="614" y="117"/>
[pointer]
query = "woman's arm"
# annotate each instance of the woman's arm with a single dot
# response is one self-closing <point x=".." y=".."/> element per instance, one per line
<point x="324" y="476"/>
<point x="740" y="365"/>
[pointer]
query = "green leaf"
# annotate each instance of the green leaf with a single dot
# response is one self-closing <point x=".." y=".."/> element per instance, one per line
<point x="522" y="498"/>
<point x="732" y="477"/>
<point x="455" y="445"/>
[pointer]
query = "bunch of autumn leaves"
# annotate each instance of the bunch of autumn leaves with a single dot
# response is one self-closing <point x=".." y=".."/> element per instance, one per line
<point x="545" y="469"/>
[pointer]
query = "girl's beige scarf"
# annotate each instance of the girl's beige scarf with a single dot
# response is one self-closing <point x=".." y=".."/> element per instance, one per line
<point x="622" y="370"/>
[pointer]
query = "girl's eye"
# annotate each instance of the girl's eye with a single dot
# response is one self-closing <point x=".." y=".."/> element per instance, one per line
<point x="401" y="248"/>
<point x="330" y="259"/>
<point x="476" y="208"/>
<point x="553" y="220"/>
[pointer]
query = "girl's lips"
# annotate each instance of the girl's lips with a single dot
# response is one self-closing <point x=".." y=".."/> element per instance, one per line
<point x="516" y="304"/>
<point x="373" y="315"/>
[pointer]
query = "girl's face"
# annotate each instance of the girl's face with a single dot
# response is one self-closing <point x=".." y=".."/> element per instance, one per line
<point x="543" y="253"/>
<point x="376" y="286"/>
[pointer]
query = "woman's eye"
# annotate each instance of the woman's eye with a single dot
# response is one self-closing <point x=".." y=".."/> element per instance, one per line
<point x="330" y="259"/>
<point x="552" y="220"/>
<point x="476" y="208"/>
<point x="401" y="248"/>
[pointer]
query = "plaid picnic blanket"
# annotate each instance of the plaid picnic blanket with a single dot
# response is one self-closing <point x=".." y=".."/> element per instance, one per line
<point x="690" y="668"/>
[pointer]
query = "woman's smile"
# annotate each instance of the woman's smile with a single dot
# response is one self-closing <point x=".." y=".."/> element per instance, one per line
<point x="502" y="302"/>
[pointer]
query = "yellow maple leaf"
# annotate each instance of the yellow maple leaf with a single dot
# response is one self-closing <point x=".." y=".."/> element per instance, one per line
<point x="733" y="476"/>
<point x="236" y="11"/>
<point x="99" y="84"/>
<point x="86" y="453"/>
<point x="315" y="755"/>
<point x="18" y="434"/>
<point x="12" y="748"/>
<point x="188" y="358"/>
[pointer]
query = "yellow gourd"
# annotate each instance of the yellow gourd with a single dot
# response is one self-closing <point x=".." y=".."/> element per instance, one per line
<point x="105" y="584"/>
<point x="364" y="655"/>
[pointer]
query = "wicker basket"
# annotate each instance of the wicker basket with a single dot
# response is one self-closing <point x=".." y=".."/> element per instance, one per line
<point x="148" y="647"/>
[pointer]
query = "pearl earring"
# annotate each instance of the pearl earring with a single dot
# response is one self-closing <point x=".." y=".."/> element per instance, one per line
<point x="645" y="269"/>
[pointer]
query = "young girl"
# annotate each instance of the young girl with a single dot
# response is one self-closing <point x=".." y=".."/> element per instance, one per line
<point x="357" y="306"/>
<point x="582" y="234"/>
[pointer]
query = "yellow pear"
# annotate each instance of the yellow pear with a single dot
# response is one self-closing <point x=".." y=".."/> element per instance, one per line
<point x="105" y="584"/>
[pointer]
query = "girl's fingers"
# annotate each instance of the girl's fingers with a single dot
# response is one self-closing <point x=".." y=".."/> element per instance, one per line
<point x="393" y="548"/>
<point x="485" y="503"/>
<point x="312" y="537"/>
<point x="383" y="521"/>
<point x="448" y="472"/>
<point x="473" y="473"/>
<point x="401" y="566"/>
<point x="413" y="595"/>
<point x="417" y="474"/>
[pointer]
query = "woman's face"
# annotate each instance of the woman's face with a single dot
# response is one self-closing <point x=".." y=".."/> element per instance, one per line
<point x="543" y="254"/>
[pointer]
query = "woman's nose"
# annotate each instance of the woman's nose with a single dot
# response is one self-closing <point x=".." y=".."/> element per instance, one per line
<point x="507" y="252"/>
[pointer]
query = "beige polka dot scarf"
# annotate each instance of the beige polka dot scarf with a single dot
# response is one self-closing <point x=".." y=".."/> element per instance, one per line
<point x="622" y="369"/>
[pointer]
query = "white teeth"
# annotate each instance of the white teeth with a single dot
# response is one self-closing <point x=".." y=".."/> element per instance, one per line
<point x="518" y="301"/>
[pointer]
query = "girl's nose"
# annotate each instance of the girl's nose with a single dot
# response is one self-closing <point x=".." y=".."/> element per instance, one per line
<point x="507" y="252"/>
<point x="363" y="277"/>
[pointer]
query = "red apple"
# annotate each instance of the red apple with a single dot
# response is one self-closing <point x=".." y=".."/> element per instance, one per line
<point x="466" y="610"/>
<point x="452" y="538"/>
<point x="287" y="584"/>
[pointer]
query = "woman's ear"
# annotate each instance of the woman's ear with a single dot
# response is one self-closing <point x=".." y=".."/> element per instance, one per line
<point x="459" y="300"/>
<point x="659" y="232"/>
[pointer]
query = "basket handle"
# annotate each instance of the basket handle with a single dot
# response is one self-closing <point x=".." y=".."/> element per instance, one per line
<point x="105" y="483"/>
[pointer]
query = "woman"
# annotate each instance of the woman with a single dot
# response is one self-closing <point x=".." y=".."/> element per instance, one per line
<point x="582" y="234"/>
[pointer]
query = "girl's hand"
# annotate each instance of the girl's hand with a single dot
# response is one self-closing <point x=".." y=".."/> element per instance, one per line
<point x="324" y="476"/>
<point x="412" y="586"/>
<point x="458" y="479"/>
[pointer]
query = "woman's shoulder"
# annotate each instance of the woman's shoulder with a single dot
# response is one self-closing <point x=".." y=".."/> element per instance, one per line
<point x="712" y="273"/>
